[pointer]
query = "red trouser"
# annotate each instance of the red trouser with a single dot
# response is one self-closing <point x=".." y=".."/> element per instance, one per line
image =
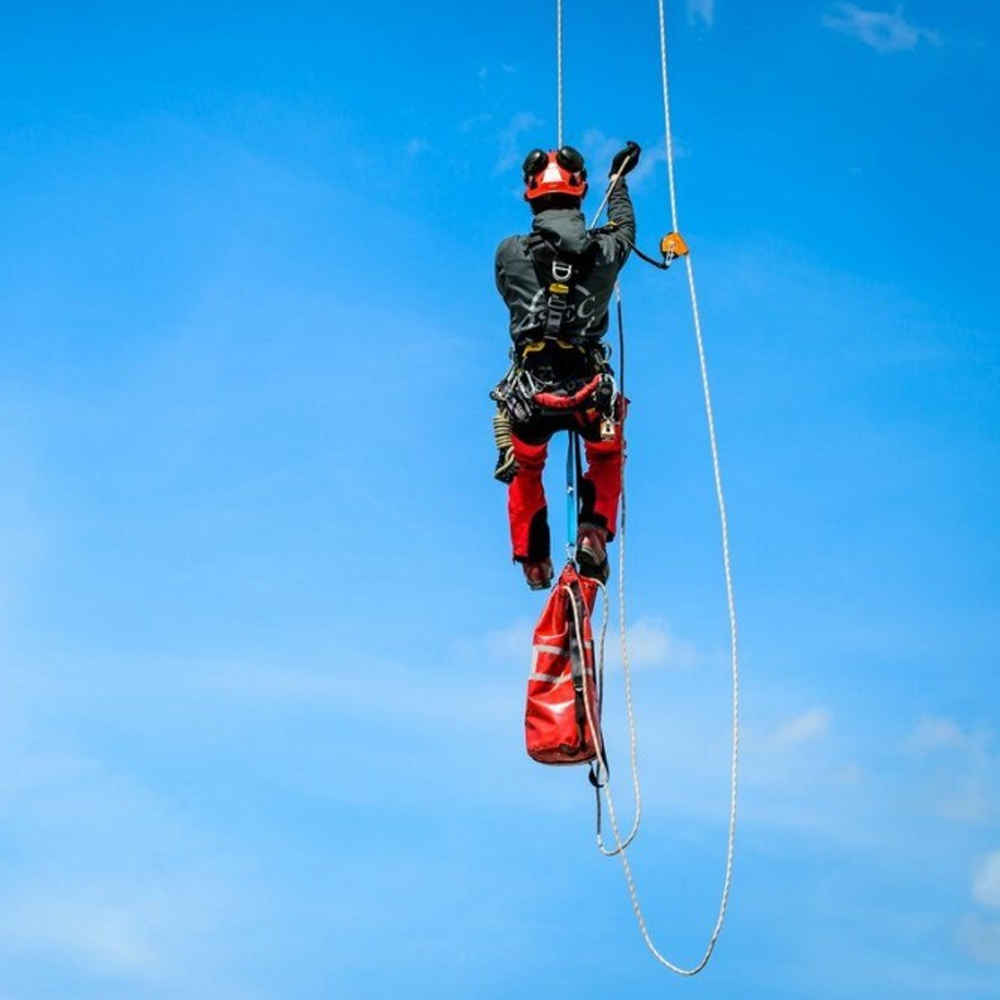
<point x="599" y="489"/>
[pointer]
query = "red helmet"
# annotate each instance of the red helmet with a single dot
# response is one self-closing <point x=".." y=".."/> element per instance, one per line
<point x="559" y="171"/>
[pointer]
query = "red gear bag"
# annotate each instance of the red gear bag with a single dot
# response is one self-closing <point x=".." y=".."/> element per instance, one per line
<point x="562" y="683"/>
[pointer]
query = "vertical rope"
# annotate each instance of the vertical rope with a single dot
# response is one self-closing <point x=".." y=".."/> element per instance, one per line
<point x="666" y="121"/>
<point x="730" y="844"/>
<point x="731" y="603"/>
<point x="572" y="492"/>
<point x="559" y="74"/>
<point x="622" y="619"/>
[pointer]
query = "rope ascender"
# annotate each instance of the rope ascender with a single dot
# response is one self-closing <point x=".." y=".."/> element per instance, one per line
<point x="671" y="248"/>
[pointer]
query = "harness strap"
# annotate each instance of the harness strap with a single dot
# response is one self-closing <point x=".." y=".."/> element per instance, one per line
<point x="525" y="348"/>
<point x="552" y="401"/>
<point x="555" y="308"/>
<point x="578" y="665"/>
<point x="558" y="274"/>
<point x="526" y="345"/>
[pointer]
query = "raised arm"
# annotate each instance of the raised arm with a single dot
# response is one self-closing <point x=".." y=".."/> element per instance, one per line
<point x="621" y="215"/>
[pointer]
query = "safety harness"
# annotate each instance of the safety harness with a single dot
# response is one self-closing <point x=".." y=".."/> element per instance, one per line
<point x="560" y="272"/>
<point x="554" y="371"/>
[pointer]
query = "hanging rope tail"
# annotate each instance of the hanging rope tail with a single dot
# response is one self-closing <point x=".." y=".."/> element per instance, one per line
<point x="620" y="843"/>
<point x="734" y="769"/>
<point x="622" y="636"/>
<point x="723" y="526"/>
<point x="599" y="766"/>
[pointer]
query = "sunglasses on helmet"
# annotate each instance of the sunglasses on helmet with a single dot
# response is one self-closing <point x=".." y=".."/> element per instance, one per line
<point x="566" y="156"/>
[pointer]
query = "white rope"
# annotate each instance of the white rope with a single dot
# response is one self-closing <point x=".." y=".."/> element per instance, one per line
<point x="620" y="844"/>
<point x="734" y="771"/>
<point x="604" y="774"/>
<point x="666" y="121"/>
<point x="559" y="74"/>
<point x="717" y="476"/>
<point x="626" y="667"/>
<point x="593" y="723"/>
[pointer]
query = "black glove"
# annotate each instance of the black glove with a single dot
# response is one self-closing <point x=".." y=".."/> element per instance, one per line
<point x="629" y="156"/>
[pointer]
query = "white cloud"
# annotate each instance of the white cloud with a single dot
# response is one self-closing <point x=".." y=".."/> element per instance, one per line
<point x="147" y="931"/>
<point x="485" y="72"/>
<point x="811" y="725"/>
<point x="884" y="32"/>
<point x="113" y="877"/>
<point x="469" y="124"/>
<point x="986" y="884"/>
<point x="384" y="692"/>
<point x="601" y="150"/>
<point x="416" y="146"/>
<point x="958" y="770"/>
<point x="652" y="644"/>
<point x="979" y="935"/>
<point x="510" y="139"/>
<point x="512" y="643"/>
<point x="111" y="938"/>
<point x="701" y="10"/>
<point x="935" y="734"/>
<point x="22" y="532"/>
<point x="980" y="939"/>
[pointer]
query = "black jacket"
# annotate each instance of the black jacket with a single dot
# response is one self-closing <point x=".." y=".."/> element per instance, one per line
<point x="605" y="249"/>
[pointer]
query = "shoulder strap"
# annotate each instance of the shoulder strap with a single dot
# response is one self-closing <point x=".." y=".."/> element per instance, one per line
<point x="557" y="272"/>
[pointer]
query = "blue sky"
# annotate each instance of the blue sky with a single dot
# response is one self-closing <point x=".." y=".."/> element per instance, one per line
<point x="263" y="650"/>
